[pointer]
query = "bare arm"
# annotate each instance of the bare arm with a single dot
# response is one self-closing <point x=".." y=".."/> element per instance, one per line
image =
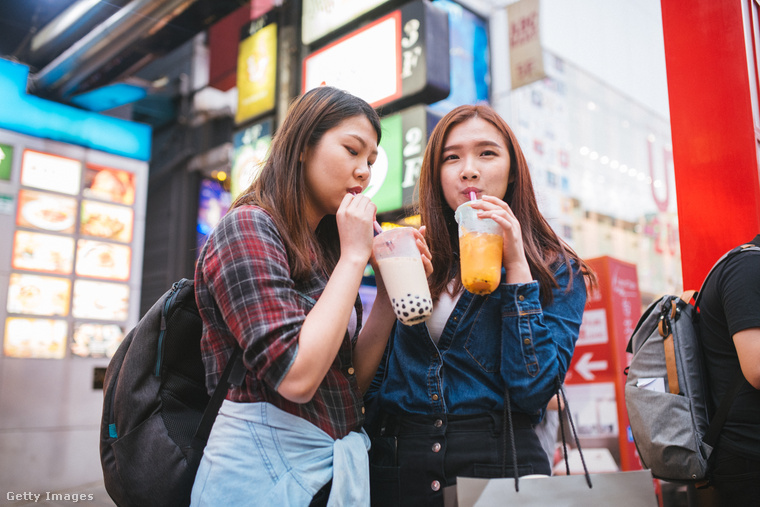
<point x="747" y="344"/>
<point x="374" y="337"/>
<point x="325" y="326"/>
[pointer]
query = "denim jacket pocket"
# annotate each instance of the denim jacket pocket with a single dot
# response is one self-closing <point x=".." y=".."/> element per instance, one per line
<point x="483" y="343"/>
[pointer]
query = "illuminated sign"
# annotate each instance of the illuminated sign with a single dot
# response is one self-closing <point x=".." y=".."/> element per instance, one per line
<point x="250" y="148"/>
<point x="257" y="68"/>
<point x="42" y="118"/>
<point x="6" y="161"/>
<point x="397" y="169"/>
<point x="319" y="18"/>
<point x="400" y="59"/>
<point x="51" y="172"/>
<point x="468" y="44"/>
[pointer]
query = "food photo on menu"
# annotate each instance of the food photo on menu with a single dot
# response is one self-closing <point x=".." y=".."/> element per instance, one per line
<point x="100" y="300"/>
<point x="43" y="252"/>
<point x="35" y="338"/>
<point x="109" y="184"/>
<point x="96" y="340"/>
<point x="103" y="260"/>
<point x="45" y="211"/>
<point x="106" y="221"/>
<point x="38" y="295"/>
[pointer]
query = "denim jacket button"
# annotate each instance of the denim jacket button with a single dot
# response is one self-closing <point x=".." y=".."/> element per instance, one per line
<point x="438" y="423"/>
<point x="350" y="371"/>
<point x="435" y="485"/>
<point x="521" y="298"/>
<point x="435" y="397"/>
<point x="526" y="341"/>
<point x="436" y="447"/>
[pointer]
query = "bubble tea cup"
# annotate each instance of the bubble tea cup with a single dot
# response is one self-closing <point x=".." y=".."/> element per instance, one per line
<point x="400" y="265"/>
<point x="480" y="250"/>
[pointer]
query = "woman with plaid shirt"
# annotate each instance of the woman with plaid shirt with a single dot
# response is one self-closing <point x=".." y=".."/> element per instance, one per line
<point x="279" y="277"/>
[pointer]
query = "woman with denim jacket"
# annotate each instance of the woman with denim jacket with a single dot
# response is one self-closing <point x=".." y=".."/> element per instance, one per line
<point x="446" y="389"/>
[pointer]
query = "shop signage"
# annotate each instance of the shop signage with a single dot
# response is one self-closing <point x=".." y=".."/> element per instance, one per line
<point x="526" y="60"/>
<point x="320" y="17"/>
<point x="397" y="169"/>
<point x="250" y="148"/>
<point x="400" y="59"/>
<point x="257" y="68"/>
<point x="6" y="162"/>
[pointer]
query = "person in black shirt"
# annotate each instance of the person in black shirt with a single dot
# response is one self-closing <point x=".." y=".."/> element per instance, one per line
<point x="730" y="331"/>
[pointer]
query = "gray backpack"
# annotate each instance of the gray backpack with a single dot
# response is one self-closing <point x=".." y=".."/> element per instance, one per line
<point x="666" y="391"/>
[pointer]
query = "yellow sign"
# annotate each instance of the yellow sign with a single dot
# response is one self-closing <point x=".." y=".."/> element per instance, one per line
<point x="257" y="73"/>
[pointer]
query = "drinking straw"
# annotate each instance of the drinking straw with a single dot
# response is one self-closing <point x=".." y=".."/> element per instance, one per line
<point x="378" y="228"/>
<point x="473" y="196"/>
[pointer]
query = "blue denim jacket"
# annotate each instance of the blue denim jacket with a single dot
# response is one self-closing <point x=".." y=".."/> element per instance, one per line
<point x="505" y="338"/>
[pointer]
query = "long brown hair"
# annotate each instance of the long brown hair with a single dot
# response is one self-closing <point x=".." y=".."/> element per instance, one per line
<point x="543" y="248"/>
<point x="280" y="187"/>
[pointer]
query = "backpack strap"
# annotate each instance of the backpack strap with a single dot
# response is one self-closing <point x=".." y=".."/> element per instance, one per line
<point x="220" y="393"/>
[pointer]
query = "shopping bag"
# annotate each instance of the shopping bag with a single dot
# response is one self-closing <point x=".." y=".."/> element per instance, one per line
<point x="621" y="489"/>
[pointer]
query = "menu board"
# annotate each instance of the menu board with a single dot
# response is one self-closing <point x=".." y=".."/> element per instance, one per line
<point x="71" y="252"/>
<point x="109" y="184"/>
<point x="39" y="338"/>
<point x="51" y="172"/>
<point x="38" y="295"/>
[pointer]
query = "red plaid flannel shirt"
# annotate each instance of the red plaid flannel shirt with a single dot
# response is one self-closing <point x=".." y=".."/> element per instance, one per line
<point x="245" y="295"/>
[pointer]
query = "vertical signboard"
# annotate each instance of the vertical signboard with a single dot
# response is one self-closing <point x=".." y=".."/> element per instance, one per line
<point x="525" y="56"/>
<point x="401" y="58"/>
<point x="257" y="68"/>
<point x="595" y="380"/>
<point x="397" y="169"/>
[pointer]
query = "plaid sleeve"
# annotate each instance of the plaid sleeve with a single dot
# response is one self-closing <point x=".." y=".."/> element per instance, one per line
<point x="246" y="271"/>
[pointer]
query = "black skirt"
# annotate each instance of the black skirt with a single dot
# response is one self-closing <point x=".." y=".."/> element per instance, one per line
<point x="414" y="458"/>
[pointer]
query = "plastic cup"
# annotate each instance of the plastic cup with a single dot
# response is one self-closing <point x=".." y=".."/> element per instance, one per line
<point x="400" y="265"/>
<point x="480" y="250"/>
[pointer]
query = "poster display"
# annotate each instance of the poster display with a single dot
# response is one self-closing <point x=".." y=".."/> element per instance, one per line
<point x="213" y="203"/>
<point x="71" y="248"/>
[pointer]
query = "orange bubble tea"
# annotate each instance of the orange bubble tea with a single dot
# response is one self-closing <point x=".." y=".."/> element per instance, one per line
<point x="480" y="261"/>
<point x="480" y="251"/>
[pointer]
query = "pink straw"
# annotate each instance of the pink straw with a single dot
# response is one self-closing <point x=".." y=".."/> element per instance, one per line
<point x="378" y="227"/>
<point x="473" y="196"/>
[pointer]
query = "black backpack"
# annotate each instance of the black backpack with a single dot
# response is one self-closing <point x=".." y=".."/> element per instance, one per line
<point x="157" y="414"/>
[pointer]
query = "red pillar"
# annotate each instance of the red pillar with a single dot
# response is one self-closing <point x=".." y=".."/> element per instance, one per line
<point x="715" y="144"/>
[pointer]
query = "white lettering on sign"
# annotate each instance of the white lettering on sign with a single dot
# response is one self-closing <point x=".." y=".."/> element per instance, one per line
<point x="593" y="328"/>
<point x="411" y="54"/>
<point x="413" y="140"/>
<point x="586" y="367"/>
